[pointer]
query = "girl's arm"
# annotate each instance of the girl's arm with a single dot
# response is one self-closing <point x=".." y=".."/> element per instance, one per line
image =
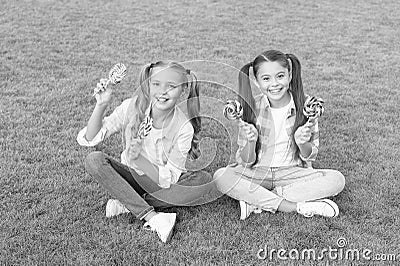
<point x="98" y="128"/>
<point x="247" y="139"/>
<point x="95" y="122"/>
<point x="248" y="153"/>
<point x="103" y="98"/>
<point x="305" y="149"/>
<point x="307" y="139"/>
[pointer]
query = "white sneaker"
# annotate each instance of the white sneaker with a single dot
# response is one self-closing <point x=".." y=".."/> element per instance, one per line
<point x="246" y="209"/>
<point x="324" y="207"/>
<point x="163" y="224"/>
<point x="114" y="207"/>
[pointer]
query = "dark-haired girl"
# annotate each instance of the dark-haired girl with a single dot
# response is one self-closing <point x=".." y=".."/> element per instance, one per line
<point x="277" y="145"/>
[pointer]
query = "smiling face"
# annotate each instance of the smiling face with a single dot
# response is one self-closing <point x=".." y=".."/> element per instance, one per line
<point x="274" y="80"/>
<point x="166" y="86"/>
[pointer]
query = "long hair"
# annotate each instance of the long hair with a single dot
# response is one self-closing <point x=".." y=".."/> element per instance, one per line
<point x="288" y="61"/>
<point x="247" y="101"/>
<point x="142" y="96"/>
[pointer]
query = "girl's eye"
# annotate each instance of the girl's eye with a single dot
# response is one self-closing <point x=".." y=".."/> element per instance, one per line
<point x="173" y="86"/>
<point x="155" y="83"/>
<point x="281" y="76"/>
<point x="266" y="78"/>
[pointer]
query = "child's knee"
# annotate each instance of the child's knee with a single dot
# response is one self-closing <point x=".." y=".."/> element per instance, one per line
<point x="218" y="173"/>
<point x="221" y="176"/>
<point x="224" y="179"/>
<point x="93" y="160"/>
<point x="338" y="180"/>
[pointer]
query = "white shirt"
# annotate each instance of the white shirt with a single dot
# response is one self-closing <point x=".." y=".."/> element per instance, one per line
<point x="279" y="152"/>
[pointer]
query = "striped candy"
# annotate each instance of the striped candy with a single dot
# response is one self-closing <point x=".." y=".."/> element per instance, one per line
<point x="233" y="110"/>
<point x="116" y="74"/>
<point x="145" y="127"/>
<point x="313" y="107"/>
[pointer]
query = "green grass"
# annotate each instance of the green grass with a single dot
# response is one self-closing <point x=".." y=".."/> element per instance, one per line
<point x="52" y="53"/>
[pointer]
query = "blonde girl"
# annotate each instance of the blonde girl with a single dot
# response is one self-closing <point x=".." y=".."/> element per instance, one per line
<point x="151" y="174"/>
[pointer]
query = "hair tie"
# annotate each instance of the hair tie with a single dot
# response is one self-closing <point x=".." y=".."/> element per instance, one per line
<point x="188" y="71"/>
<point x="151" y="65"/>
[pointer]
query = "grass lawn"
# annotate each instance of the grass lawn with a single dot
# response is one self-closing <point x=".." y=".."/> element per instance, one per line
<point x="52" y="54"/>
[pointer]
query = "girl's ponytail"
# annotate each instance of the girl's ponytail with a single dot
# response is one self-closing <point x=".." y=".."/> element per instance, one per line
<point x="247" y="101"/>
<point x="193" y="107"/>
<point x="142" y="102"/>
<point x="296" y="88"/>
<point x="246" y="98"/>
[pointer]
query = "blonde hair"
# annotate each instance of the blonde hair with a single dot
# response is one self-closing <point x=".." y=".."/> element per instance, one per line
<point x="142" y="96"/>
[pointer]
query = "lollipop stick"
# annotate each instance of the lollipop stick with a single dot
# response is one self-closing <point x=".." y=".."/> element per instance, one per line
<point x="94" y="94"/>
<point x="108" y="81"/>
<point x="105" y="86"/>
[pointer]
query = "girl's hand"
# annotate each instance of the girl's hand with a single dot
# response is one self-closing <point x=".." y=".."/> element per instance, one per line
<point x="134" y="148"/>
<point x="248" y="130"/>
<point x="104" y="95"/>
<point x="303" y="133"/>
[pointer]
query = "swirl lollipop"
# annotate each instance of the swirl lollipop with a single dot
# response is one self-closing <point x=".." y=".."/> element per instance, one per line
<point x="145" y="127"/>
<point x="233" y="110"/>
<point x="313" y="107"/>
<point x="116" y="74"/>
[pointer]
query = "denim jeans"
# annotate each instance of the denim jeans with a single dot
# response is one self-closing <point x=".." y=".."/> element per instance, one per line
<point x="266" y="187"/>
<point x="141" y="195"/>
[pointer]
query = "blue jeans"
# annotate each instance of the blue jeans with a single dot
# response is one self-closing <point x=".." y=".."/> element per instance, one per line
<point x="266" y="187"/>
<point x="141" y="195"/>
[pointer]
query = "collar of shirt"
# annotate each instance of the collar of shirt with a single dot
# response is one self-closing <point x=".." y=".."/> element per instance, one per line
<point x="264" y="118"/>
<point x="265" y="105"/>
<point x="170" y="131"/>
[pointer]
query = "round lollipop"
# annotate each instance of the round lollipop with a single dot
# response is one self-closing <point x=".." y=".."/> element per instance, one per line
<point x="313" y="107"/>
<point x="145" y="127"/>
<point x="233" y="110"/>
<point x="116" y="74"/>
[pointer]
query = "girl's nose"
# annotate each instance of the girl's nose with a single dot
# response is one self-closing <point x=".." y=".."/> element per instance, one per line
<point x="161" y="88"/>
<point x="164" y="88"/>
<point x="274" y="82"/>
